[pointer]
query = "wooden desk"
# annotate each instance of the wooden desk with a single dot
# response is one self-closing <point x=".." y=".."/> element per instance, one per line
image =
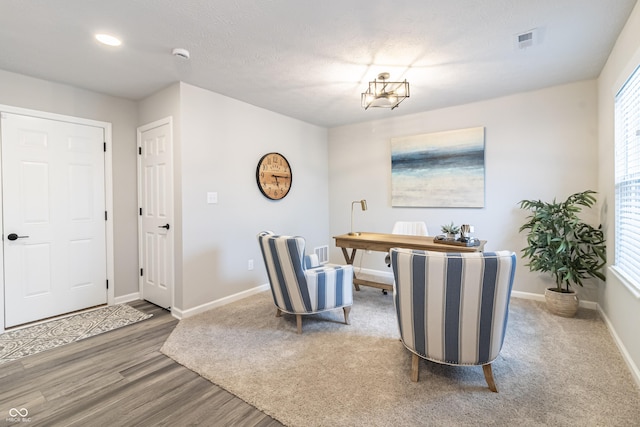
<point x="382" y="242"/>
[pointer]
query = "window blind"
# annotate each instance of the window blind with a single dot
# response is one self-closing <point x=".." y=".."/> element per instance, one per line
<point x="627" y="179"/>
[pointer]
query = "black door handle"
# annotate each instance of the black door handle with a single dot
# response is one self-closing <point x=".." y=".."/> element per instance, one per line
<point x="14" y="236"/>
<point x="166" y="226"/>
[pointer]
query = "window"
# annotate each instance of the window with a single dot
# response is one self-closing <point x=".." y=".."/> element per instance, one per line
<point x="627" y="180"/>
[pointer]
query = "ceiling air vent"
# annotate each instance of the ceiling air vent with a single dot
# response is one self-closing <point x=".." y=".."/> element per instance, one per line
<point x="526" y="40"/>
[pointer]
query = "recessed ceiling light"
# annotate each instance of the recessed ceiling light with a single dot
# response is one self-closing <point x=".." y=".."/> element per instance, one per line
<point x="108" y="40"/>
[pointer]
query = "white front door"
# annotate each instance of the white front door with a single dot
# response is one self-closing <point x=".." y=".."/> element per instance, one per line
<point x="54" y="228"/>
<point x="155" y="176"/>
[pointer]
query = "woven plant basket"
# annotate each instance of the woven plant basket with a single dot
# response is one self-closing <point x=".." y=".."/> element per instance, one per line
<point x="563" y="304"/>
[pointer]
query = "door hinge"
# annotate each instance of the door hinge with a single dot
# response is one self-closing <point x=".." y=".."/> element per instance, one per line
<point x="141" y="272"/>
<point x="105" y="216"/>
<point x="105" y="147"/>
<point x="140" y="211"/>
<point x="107" y="283"/>
<point x="140" y="151"/>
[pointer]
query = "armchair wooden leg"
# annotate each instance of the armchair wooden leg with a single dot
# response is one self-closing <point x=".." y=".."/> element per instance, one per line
<point x="488" y="375"/>
<point x="415" y="367"/>
<point x="278" y="312"/>
<point x="299" y="322"/>
<point x="346" y="314"/>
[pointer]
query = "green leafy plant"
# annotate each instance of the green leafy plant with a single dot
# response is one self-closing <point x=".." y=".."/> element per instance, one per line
<point x="561" y="244"/>
<point x="450" y="229"/>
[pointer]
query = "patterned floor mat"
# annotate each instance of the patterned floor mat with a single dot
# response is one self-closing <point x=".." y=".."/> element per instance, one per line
<point x="44" y="336"/>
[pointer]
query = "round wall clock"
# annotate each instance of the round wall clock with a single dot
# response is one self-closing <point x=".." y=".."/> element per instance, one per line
<point x="274" y="176"/>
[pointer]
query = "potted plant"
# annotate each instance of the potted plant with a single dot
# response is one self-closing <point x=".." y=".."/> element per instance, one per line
<point x="559" y="243"/>
<point x="450" y="230"/>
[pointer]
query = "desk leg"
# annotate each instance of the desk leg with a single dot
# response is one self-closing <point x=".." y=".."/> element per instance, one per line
<point x="350" y="259"/>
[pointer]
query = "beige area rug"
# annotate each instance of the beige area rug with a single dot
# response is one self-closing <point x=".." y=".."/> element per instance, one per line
<point x="44" y="336"/>
<point x="552" y="370"/>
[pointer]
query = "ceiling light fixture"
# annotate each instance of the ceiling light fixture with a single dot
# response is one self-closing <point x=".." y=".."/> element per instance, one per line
<point x="385" y="94"/>
<point x="108" y="40"/>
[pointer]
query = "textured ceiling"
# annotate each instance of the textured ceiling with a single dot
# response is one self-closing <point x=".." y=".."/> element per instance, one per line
<point x="312" y="59"/>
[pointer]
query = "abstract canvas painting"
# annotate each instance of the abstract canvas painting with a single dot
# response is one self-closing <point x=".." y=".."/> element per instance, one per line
<point x="442" y="169"/>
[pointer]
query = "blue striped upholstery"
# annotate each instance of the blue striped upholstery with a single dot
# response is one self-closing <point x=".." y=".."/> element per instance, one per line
<point x="311" y="261"/>
<point x="303" y="287"/>
<point x="452" y="308"/>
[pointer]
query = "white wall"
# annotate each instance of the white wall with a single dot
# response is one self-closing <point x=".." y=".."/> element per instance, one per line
<point x="222" y="140"/>
<point x="539" y="145"/>
<point x="21" y="91"/>
<point x="620" y="306"/>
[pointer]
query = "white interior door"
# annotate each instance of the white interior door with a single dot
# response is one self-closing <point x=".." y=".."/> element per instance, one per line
<point x="155" y="175"/>
<point x="54" y="228"/>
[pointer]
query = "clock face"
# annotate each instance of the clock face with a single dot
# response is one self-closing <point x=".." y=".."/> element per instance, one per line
<point x="274" y="176"/>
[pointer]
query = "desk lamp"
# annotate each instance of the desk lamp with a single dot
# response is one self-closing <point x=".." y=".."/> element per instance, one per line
<point x="363" y="205"/>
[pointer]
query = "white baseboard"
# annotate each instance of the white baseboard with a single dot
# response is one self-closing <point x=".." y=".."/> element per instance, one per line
<point x="635" y="372"/>
<point x="540" y="297"/>
<point x="127" y="298"/>
<point x="183" y="314"/>
<point x="527" y="295"/>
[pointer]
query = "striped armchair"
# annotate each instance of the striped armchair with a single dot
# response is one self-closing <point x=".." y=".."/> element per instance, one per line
<point x="298" y="284"/>
<point x="452" y="308"/>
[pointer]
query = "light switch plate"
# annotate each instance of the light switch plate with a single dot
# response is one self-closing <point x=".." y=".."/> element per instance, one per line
<point x="212" y="197"/>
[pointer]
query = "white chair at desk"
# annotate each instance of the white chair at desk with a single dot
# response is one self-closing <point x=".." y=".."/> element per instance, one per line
<point x="412" y="228"/>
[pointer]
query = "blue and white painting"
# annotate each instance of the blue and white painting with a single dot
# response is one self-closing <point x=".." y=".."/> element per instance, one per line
<point x="443" y="169"/>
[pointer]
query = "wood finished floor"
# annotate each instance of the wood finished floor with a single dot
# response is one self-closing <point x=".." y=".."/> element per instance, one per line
<point x="119" y="378"/>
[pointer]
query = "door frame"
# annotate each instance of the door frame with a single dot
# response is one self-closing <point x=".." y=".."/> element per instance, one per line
<point x="108" y="188"/>
<point x="141" y="129"/>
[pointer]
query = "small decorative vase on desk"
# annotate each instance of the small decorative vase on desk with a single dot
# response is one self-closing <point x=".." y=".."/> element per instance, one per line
<point x="451" y="231"/>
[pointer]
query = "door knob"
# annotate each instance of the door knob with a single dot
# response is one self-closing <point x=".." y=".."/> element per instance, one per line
<point x="166" y="226"/>
<point x="14" y="236"/>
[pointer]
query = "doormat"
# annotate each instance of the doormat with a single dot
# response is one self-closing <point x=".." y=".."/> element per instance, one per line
<point x="55" y="333"/>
